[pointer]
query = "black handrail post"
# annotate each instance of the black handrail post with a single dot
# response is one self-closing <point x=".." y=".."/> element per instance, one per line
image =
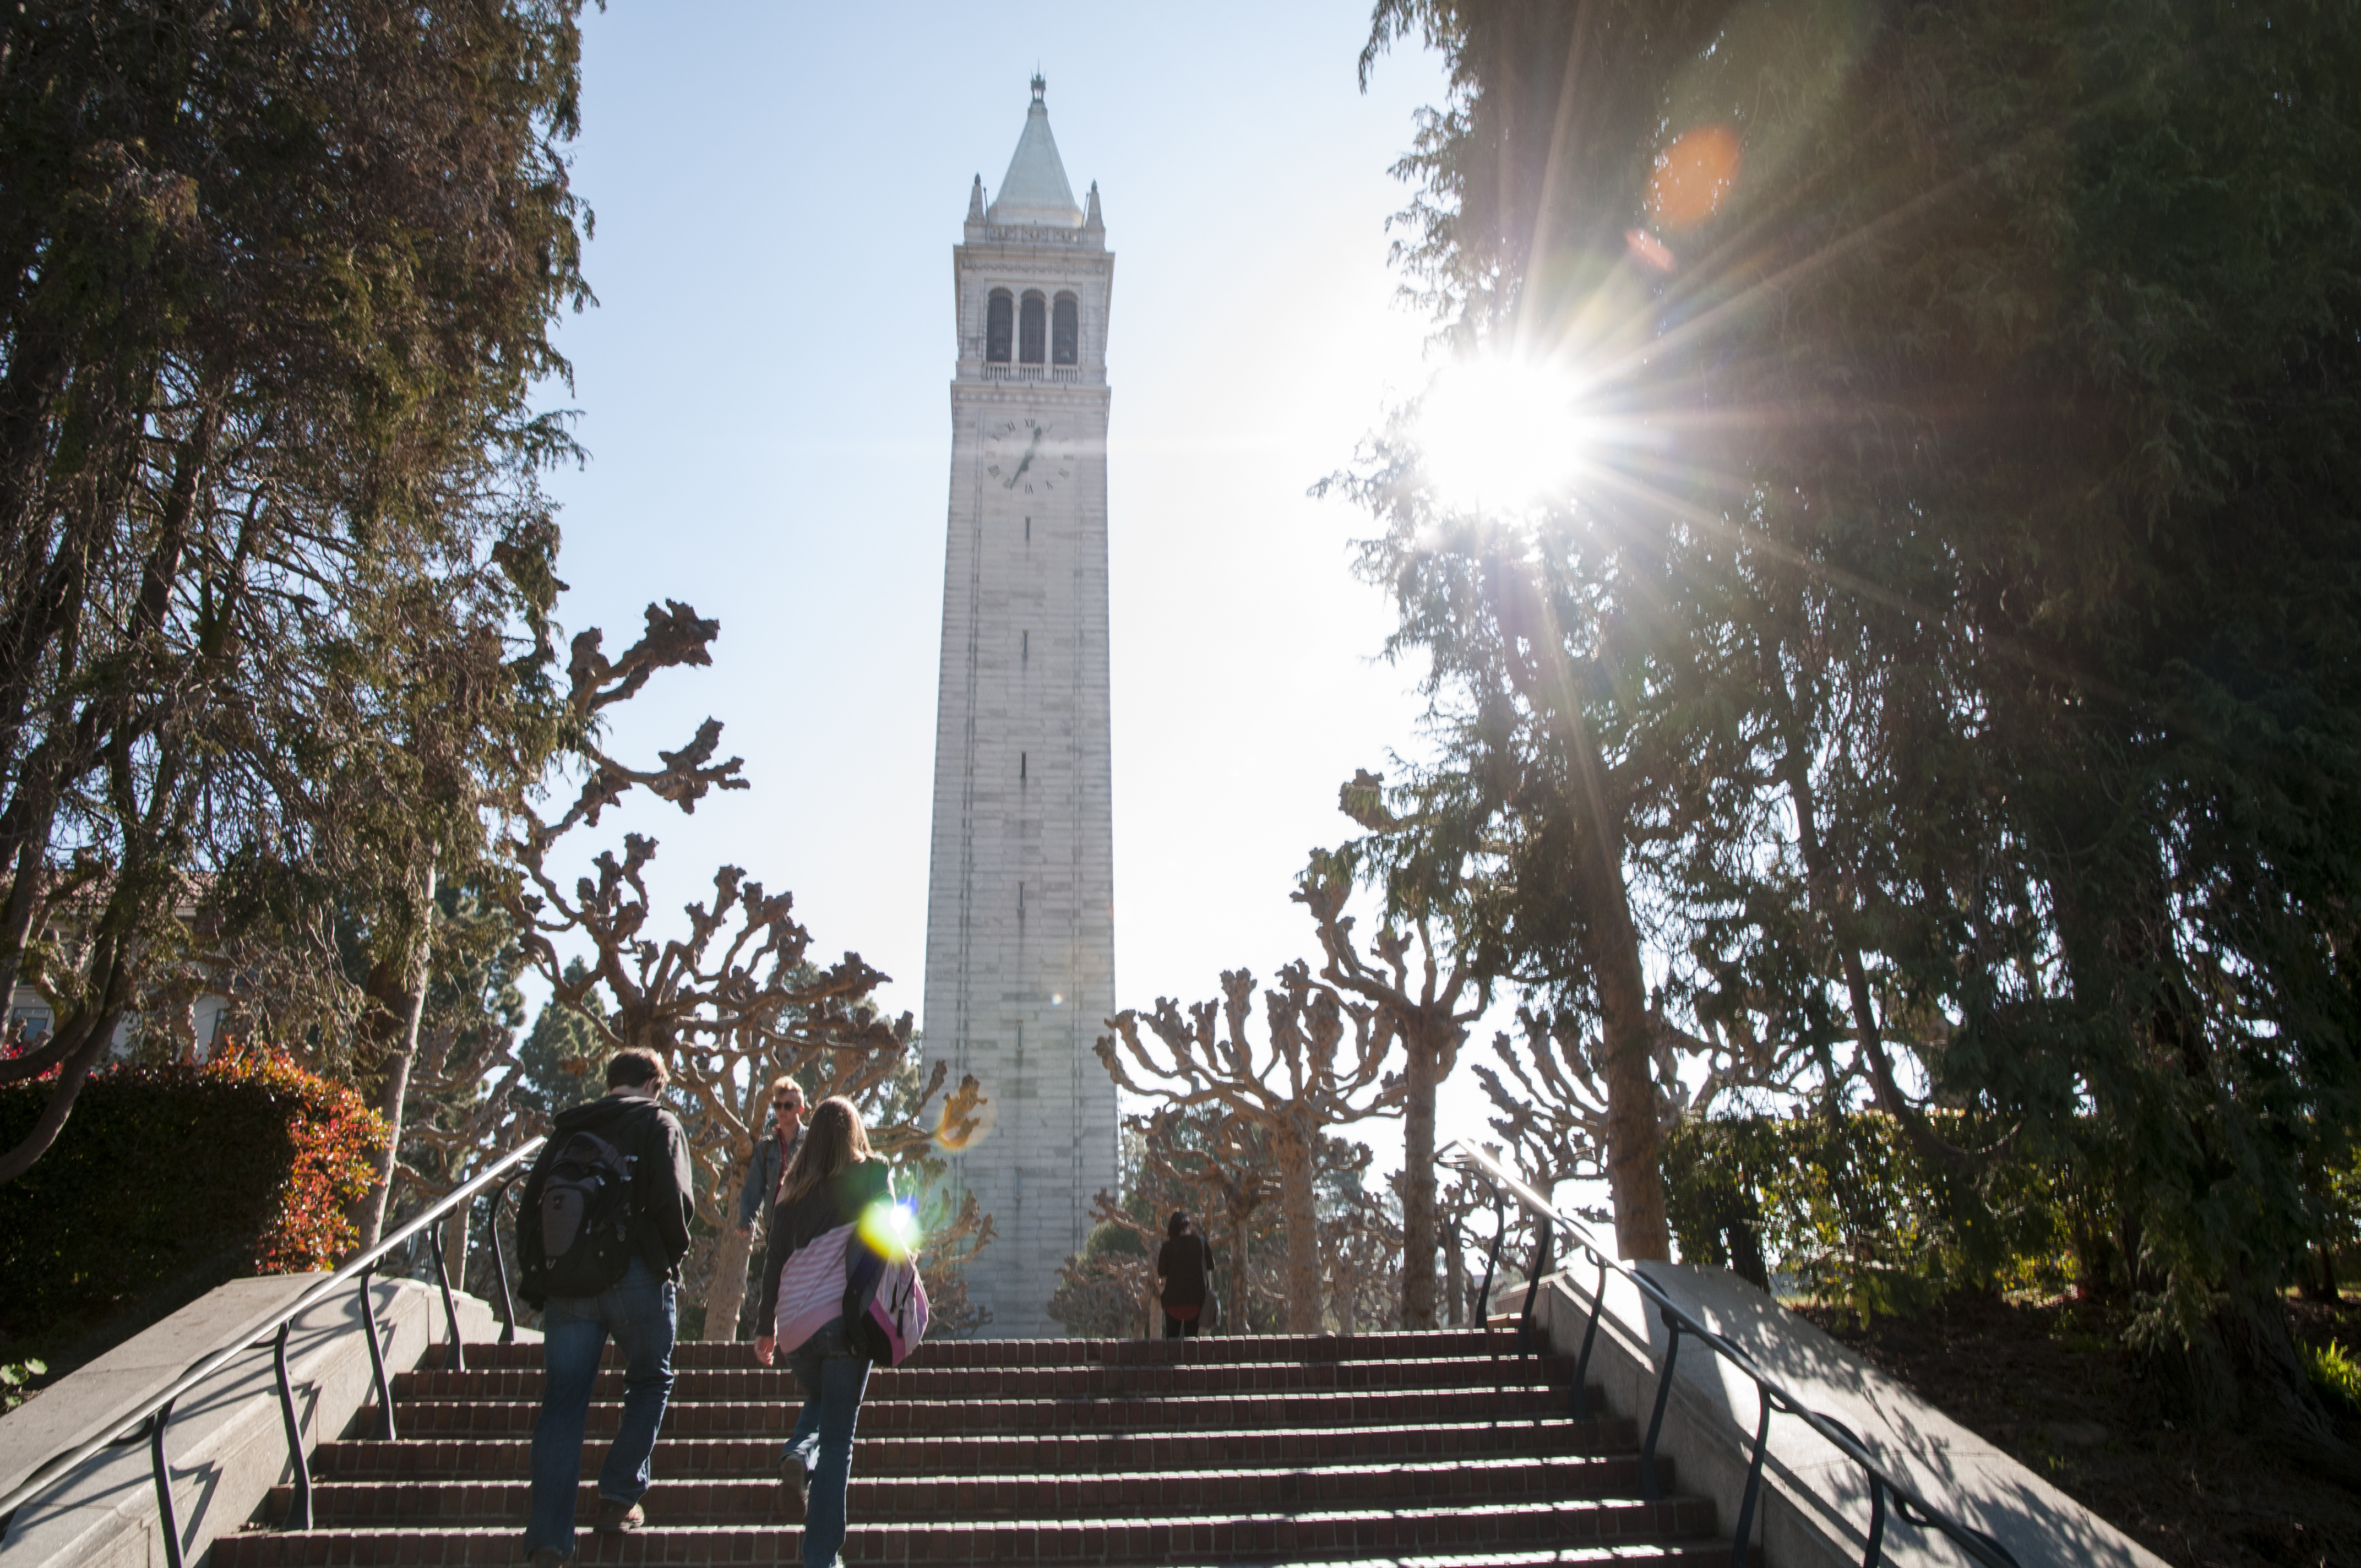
<point x="457" y="1361"/>
<point x="1533" y="1290"/>
<point x="171" y="1520"/>
<point x="377" y="1354"/>
<point x="1754" y="1480"/>
<point x="1648" y="1491"/>
<point x="1876" y="1521"/>
<point x="1491" y="1262"/>
<point x="1589" y="1337"/>
<point x="299" y="1513"/>
<point x="501" y="1265"/>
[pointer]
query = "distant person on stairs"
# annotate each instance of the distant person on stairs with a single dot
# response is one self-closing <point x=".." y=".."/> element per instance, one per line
<point x="1184" y="1271"/>
<point x="601" y="1230"/>
<point x="833" y="1180"/>
<point x="773" y="1154"/>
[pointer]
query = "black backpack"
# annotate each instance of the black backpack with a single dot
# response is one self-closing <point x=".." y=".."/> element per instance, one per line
<point x="584" y="1218"/>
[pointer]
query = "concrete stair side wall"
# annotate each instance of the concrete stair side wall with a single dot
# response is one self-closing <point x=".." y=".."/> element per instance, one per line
<point x="226" y="1445"/>
<point x="1814" y="1508"/>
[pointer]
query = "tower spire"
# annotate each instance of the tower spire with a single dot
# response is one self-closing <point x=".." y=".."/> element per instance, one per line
<point x="1034" y="192"/>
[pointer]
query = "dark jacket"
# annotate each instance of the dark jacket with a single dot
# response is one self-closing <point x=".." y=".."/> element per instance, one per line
<point x="836" y="1201"/>
<point x="661" y="1199"/>
<point x="1184" y="1262"/>
<point x="762" y="1189"/>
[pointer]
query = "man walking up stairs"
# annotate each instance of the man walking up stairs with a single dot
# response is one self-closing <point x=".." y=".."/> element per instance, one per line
<point x="1443" y="1449"/>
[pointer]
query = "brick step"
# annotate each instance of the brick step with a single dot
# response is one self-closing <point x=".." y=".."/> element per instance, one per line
<point x="944" y="1353"/>
<point x="890" y="1383"/>
<point x="896" y="1417"/>
<point x="913" y="1499"/>
<point x="442" y="1459"/>
<point x="1359" y="1534"/>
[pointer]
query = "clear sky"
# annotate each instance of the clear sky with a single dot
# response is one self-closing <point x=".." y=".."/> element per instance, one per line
<point x="763" y="391"/>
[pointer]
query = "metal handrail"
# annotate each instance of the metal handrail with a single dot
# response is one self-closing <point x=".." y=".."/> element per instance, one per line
<point x="1909" y="1506"/>
<point x="147" y="1425"/>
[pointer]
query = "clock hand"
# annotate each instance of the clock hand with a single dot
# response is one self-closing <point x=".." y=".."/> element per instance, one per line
<point x="1024" y="462"/>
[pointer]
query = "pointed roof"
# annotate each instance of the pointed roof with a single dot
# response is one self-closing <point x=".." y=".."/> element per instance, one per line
<point x="1034" y="192"/>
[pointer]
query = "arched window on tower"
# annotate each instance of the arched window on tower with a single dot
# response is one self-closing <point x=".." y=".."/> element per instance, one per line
<point x="1032" y="326"/>
<point x="1066" y="331"/>
<point x="999" y="325"/>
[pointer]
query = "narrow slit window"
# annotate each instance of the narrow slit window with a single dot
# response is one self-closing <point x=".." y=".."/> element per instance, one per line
<point x="1020" y="767"/>
<point x="1066" y="332"/>
<point x="1032" y="326"/>
<point x="999" y="325"/>
<point x="1024" y="647"/>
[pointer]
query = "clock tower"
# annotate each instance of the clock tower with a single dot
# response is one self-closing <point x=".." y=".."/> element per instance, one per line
<point x="1020" y="917"/>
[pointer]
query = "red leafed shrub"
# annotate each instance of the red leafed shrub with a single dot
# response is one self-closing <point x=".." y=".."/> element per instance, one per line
<point x="167" y="1180"/>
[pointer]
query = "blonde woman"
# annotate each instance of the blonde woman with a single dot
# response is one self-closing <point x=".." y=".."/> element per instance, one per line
<point x="832" y="1180"/>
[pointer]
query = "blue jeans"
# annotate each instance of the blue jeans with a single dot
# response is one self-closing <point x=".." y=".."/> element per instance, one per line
<point x="832" y="1379"/>
<point x="637" y="1310"/>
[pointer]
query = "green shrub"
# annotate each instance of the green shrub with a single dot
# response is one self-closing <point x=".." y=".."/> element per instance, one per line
<point x="167" y="1180"/>
<point x="1848" y="1207"/>
<point x="2335" y="1373"/>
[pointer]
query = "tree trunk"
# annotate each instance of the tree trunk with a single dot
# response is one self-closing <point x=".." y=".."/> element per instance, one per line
<point x="1233" y="1296"/>
<point x="725" y="1298"/>
<point x="1418" y="1185"/>
<point x="71" y="1075"/>
<point x="1454" y="1277"/>
<point x="455" y="1245"/>
<point x="1296" y="1206"/>
<point x="2243" y="1370"/>
<point x="393" y="1094"/>
<point x="1634" y="1155"/>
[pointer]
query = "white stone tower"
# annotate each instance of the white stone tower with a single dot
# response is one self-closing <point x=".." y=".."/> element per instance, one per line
<point x="1020" y="918"/>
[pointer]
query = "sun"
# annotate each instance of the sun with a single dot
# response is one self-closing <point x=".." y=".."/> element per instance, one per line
<point x="1499" y="434"/>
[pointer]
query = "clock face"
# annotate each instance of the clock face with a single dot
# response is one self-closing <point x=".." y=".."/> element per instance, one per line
<point x="1024" y="457"/>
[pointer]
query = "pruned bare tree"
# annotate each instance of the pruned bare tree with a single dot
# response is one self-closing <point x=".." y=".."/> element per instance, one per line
<point x="1228" y="1169"/>
<point x="1307" y="1077"/>
<point x="1427" y="1006"/>
<point x="1553" y="1107"/>
<point x="733" y="1001"/>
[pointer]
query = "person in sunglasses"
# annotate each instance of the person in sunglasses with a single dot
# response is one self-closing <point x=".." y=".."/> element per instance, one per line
<point x="772" y="1151"/>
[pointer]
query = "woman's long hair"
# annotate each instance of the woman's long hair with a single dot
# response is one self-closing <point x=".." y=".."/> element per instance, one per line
<point x="834" y="1139"/>
<point x="1180" y="1226"/>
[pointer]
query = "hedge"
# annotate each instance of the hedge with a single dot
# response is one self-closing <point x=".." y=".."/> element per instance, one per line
<point x="167" y="1181"/>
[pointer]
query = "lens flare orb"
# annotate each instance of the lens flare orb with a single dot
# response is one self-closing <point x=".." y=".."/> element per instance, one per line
<point x="892" y="1229"/>
<point x="1694" y="176"/>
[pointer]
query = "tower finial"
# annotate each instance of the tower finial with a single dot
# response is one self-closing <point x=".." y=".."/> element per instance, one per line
<point x="1038" y="86"/>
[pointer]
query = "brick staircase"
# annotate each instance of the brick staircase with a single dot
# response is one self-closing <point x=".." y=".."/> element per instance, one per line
<point x="1439" y="1449"/>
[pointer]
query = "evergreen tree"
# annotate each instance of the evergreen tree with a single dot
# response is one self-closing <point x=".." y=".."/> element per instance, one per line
<point x="1969" y="644"/>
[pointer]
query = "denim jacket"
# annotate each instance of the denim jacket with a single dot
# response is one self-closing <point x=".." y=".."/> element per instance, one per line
<point x="762" y="1176"/>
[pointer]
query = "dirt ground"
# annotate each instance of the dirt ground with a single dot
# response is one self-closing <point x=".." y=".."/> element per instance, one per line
<point x="2053" y="1387"/>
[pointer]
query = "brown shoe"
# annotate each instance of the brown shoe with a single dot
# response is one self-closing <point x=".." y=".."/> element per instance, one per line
<point x="617" y="1517"/>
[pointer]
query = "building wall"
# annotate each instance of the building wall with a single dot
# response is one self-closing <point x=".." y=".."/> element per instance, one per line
<point x="1020" y="938"/>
